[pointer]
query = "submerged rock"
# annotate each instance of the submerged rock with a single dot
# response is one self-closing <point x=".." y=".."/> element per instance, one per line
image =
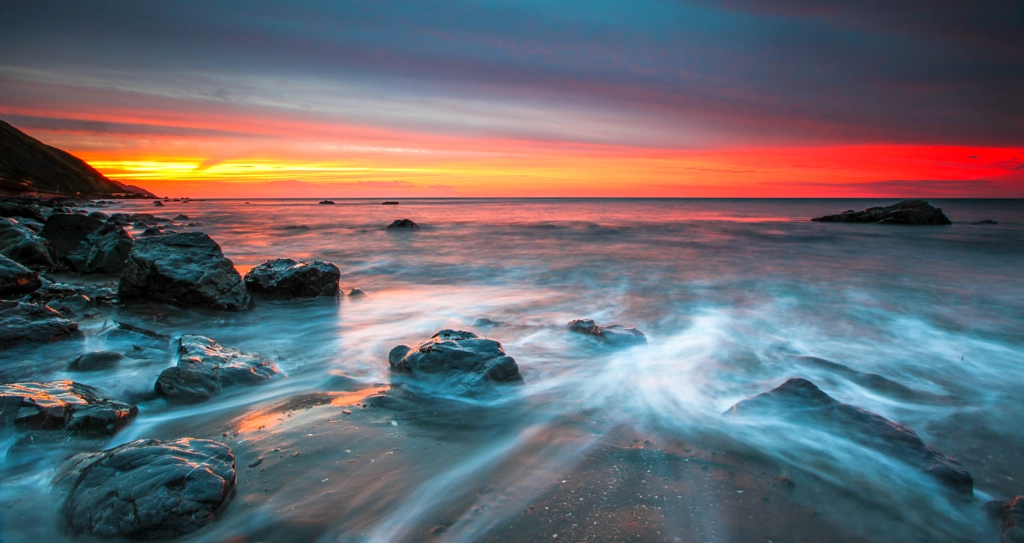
<point x="66" y="231"/>
<point x="614" y="335"/>
<point x="205" y="368"/>
<point x="457" y="362"/>
<point x="21" y="322"/>
<point x="907" y="212"/>
<point x="103" y="251"/>
<point x="801" y="399"/>
<point x="403" y="224"/>
<point x="1011" y="515"/>
<point x="356" y="292"/>
<point x="183" y="269"/>
<point x="17" y="280"/>
<point x="986" y="221"/>
<point x="125" y="335"/>
<point x="71" y="306"/>
<point x="63" y="405"/>
<point x="147" y="489"/>
<point x="94" y="361"/>
<point x="287" y="278"/>
<point x="24" y="246"/>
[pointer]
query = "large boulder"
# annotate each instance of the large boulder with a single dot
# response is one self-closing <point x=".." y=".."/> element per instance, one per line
<point x="103" y="251"/>
<point x="287" y="278"/>
<point x="1010" y="514"/>
<point x="205" y="368"/>
<point x="17" y="280"/>
<point x="74" y="408"/>
<point x="801" y="401"/>
<point x="907" y="212"/>
<point x="32" y="323"/>
<point x="455" y="361"/>
<point x="147" y="489"/>
<point x="24" y="246"/>
<point x="66" y="231"/>
<point x="614" y="335"/>
<point x="186" y="269"/>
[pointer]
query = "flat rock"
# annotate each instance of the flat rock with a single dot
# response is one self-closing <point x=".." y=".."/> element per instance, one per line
<point x="614" y="335"/>
<point x="63" y="405"/>
<point x="288" y="278"/>
<point x="185" y="269"/>
<point x="103" y="251"/>
<point x="17" y="280"/>
<point x="907" y="212"/>
<point x="205" y="368"/>
<point x="96" y="360"/>
<point x="800" y="399"/>
<point x="403" y="224"/>
<point x="24" y="246"/>
<point x="147" y="489"/>
<point x="455" y="361"/>
<point x="32" y="323"/>
<point x="1010" y="514"/>
<point x="66" y="231"/>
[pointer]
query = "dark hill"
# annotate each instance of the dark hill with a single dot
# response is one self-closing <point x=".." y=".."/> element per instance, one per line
<point x="28" y="165"/>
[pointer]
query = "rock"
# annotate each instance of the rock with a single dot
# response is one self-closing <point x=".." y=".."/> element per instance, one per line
<point x="124" y="219"/>
<point x="18" y="210"/>
<point x="907" y="212"/>
<point x="1011" y="515"/>
<point x="181" y="218"/>
<point x="126" y="335"/>
<point x="323" y="203"/>
<point x="147" y="489"/>
<point x="103" y="251"/>
<point x="390" y="203"/>
<point x="186" y="269"/>
<point x="205" y="368"/>
<point x="74" y="305"/>
<point x="66" y="231"/>
<point x="58" y="291"/>
<point x="486" y="323"/>
<point x="96" y="360"/>
<point x="403" y="224"/>
<point x="152" y="232"/>
<point x="614" y="335"/>
<point x="801" y="399"/>
<point x="158" y="203"/>
<point x="20" y="323"/>
<point x="356" y="292"/>
<point x="77" y="409"/>
<point x="456" y="362"/>
<point x="287" y="278"/>
<point x="296" y="227"/>
<point x="99" y="215"/>
<point x="17" y="280"/>
<point x="24" y="246"/>
<point x="986" y="221"/>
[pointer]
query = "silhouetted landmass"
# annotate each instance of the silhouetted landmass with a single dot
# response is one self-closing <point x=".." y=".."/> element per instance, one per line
<point x="907" y="212"/>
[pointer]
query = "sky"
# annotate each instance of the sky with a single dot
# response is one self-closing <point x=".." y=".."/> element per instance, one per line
<point x="422" y="98"/>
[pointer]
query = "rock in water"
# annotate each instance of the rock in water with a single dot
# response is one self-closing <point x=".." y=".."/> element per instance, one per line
<point x="20" y="322"/>
<point x="287" y="278"/>
<point x="63" y="405"/>
<point x="614" y="335"/>
<point x="103" y="251"/>
<point x="147" y="489"/>
<point x="186" y="269"/>
<point x="456" y="362"/>
<point x="96" y="360"/>
<point x="16" y="280"/>
<point x="205" y="368"/>
<point x="1011" y="515"/>
<point x="403" y="224"/>
<point x="907" y="212"/>
<point x="801" y="399"/>
<point x="323" y="202"/>
<point x="24" y="246"/>
<point x="66" y="231"/>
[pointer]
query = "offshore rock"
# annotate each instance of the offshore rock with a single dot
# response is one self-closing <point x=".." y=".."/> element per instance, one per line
<point x="96" y="360"/>
<point x="205" y="368"/>
<point x="21" y="323"/>
<point x="24" y="246"/>
<point x="17" y="280"/>
<point x="614" y="335"/>
<point x="403" y="224"/>
<point x="456" y="362"/>
<point x="287" y="278"/>
<point x="799" y="399"/>
<point x="103" y="251"/>
<point x="66" y="231"/>
<point x="907" y="212"/>
<point x="63" y="405"/>
<point x="1011" y="515"/>
<point x="147" y="489"/>
<point x="186" y="269"/>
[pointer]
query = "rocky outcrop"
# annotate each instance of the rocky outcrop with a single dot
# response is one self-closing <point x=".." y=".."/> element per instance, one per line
<point x="103" y="251"/>
<point x="456" y="362"/>
<point x="205" y="368"/>
<point x="907" y="212"/>
<point x="77" y="409"/>
<point x="17" y="280"/>
<point x="24" y="246"/>
<point x="95" y="361"/>
<point x="31" y="323"/>
<point x="801" y="401"/>
<point x="147" y="489"/>
<point x="287" y="278"/>
<point x="66" y="231"/>
<point x="403" y="224"/>
<point x="613" y="336"/>
<point x="186" y="269"/>
<point x="1010" y="514"/>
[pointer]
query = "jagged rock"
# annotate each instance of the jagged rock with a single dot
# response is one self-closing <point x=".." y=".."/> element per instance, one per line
<point x="17" y="280"/>
<point x="66" y="231"/>
<point x="63" y="405"/>
<point x="403" y="224"/>
<point x="20" y="322"/>
<point x="205" y="368"/>
<point x="800" y="400"/>
<point x="147" y="489"/>
<point x="24" y="246"/>
<point x="186" y="269"/>
<point x="287" y="278"/>
<point x="455" y="361"/>
<point x="96" y="360"/>
<point x="907" y="212"/>
<point x="1011" y="515"/>
<point x="58" y="291"/>
<point x="103" y="251"/>
<point x="614" y="335"/>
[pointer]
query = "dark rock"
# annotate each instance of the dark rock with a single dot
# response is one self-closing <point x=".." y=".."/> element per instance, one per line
<point x="182" y="218"/>
<point x="147" y="489"/>
<point x="20" y="323"/>
<point x="287" y="278"/>
<point x="63" y="405"/>
<point x="323" y="203"/>
<point x="186" y="269"/>
<point x="486" y="323"/>
<point x="614" y="335"/>
<point x="390" y="203"/>
<point x="18" y="210"/>
<point x="456" y="362"/>
<point x="986" y="221"/>
<point x="17" y="280"/>
<point x="907" y="212"/>
<point x="99" y="215"/>
<point x="125" y="219"/>
<point x="152" y="232"/>
<point x="125" y="335"/>
<point x="69" y="306"/>
<point x="24" y="246"/>
<point x="66" y="231"/>
<point x="296" y="227"/>
<point x="205" y="368"/>
<point x="801" y="399"/>
<point x="356" y="292"/>
<point x="1010" y="514"/>
<point x="58" y="291"/>
<point x="96" y="360"/>
<point x="403" y="224"/>
<point x="103" y="251"/>
<point x="158" y="203"/>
